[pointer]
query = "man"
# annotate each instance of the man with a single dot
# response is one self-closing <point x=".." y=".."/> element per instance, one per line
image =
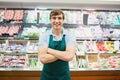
<point x="57" y="48"/>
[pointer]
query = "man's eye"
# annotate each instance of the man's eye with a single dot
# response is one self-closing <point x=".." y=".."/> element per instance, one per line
<point x="54" y="18"/>
<point x="59" y="18"/>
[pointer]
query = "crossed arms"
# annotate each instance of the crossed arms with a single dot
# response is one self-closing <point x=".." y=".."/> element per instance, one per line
<point x="48" y="55"/>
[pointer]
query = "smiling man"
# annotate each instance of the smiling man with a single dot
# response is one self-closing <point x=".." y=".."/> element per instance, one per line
<point x="56" y="49"/>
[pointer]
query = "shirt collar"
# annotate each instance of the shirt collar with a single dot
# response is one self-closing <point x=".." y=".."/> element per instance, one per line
<point x="64" y="31"/>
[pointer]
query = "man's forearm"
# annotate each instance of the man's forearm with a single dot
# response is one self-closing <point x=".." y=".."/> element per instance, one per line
<point x="48" y="58"/>
<point x="63" y="55"/>
<point x="44" y="56"/>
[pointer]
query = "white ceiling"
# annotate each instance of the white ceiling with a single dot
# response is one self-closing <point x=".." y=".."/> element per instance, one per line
<point x="68" y="4"/>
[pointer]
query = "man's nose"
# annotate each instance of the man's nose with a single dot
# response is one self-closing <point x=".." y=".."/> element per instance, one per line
<point x="56" y="19"/>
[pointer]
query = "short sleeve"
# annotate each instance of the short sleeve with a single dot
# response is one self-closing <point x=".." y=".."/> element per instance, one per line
<point x="70" y="39"/>
<point x="43" y="40"/>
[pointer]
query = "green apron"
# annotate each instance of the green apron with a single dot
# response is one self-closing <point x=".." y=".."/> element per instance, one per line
<point x="57" y="70"/>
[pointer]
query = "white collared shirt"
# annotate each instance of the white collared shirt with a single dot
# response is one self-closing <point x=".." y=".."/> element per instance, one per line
<point x="69" y="38"/>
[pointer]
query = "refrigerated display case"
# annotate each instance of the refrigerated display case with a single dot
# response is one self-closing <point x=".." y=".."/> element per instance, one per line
<point x="97" y="50"/>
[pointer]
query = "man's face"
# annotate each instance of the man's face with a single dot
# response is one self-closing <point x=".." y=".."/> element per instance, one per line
<point x="57" y="21"/>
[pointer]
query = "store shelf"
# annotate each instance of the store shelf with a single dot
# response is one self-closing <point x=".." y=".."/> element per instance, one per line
<point x="33" y="72"/>
<point x="19" y="38"/>
<point x="110" y="26"/>
<point x="39" y="69"/>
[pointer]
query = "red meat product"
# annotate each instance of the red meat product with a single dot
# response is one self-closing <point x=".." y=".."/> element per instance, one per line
<point x="8" y="15"/>
<point x="18" y="15"/>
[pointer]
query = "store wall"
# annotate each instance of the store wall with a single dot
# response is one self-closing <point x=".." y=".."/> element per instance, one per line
<point x="68" y="1"/>
<point x="71" y="4"/>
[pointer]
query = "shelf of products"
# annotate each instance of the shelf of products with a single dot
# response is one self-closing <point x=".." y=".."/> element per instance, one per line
<point x="90" y="55"/>
<point x="97" y="34"/>
<point x="97" y="49"/>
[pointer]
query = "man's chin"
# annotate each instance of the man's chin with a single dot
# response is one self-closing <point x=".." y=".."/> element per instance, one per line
<point x="57" y="27"/>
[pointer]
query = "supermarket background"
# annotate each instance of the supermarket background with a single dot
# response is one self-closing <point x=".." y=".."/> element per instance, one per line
<point x="96" y="25"/>
<point x="97" y="31"/>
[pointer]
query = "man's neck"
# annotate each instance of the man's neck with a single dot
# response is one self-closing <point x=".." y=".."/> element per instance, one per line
<point x="57" y="32"/>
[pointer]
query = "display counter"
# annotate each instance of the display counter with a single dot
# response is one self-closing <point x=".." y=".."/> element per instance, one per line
<point x="75" y="74"/>
<point x="97" y="35"/>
